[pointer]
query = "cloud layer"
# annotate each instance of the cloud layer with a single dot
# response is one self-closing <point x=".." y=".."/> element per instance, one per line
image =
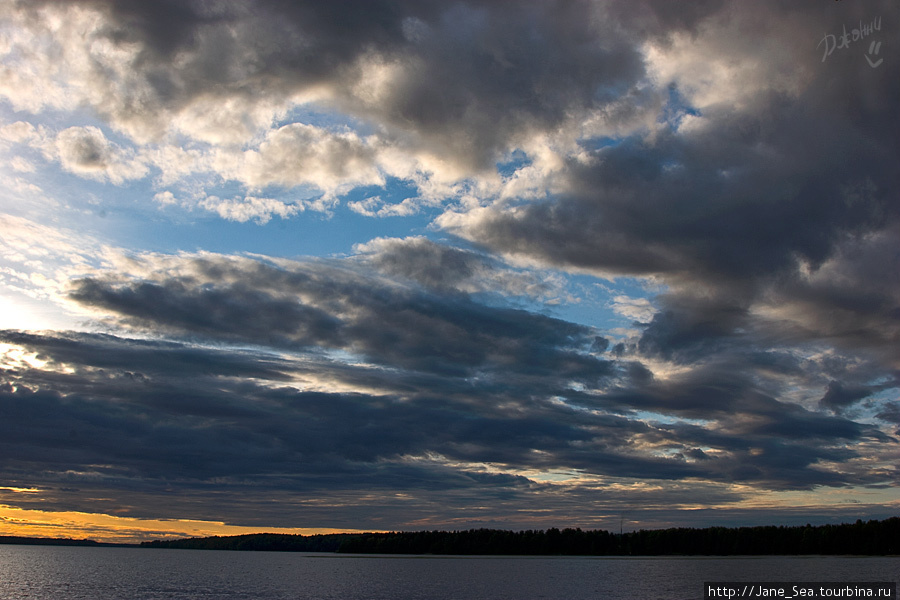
<point x="324" y="378"/>
<point x="727" y="184"/>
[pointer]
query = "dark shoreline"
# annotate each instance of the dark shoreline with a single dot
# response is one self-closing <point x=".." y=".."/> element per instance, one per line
<point x="871" y="538"/>
<point x="862" y="538"/>
<point x="39" y="541"/>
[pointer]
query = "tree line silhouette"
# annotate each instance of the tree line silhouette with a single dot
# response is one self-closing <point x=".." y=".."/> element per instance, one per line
<point x="37" y="541"/>
<point x="862" y="538"/>
<point x="272" y="542"/>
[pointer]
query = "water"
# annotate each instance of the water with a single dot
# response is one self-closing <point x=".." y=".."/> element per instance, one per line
<point x="65" y="573"/>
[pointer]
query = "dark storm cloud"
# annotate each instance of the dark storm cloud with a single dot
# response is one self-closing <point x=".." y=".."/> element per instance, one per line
<point x="130" y="419"/>
<point x="470" y="80"/>
<point x="712" y="205"/>
<point x="210" y="423"/>
<point x="480" y="382"/>
<point x="470" y="77"/>
<point x="740" y="400"/>
<point x="155" y="357"/>
<point x="687" y="328"/>
<point x="772" y="218"/>
<point x="891" y="413"/>
<point x="839" y="397"/>
<point x="95" y="426"/>
<point x="514" y="70"/>
<point x="436" y="266"/>
<point x="456" y="350"/>
<point x="162" y="27"/>
<point x="247" y="313"/>
<point x="317" y="304"/>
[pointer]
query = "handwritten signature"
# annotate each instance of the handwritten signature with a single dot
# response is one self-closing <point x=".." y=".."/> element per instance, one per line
<point x="834" y="42"/>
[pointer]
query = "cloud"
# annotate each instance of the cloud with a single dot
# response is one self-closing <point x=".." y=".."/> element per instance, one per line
<point x="36" y="262"/>
<point x="20" y="132"/>
<point x="463" y="351"/>
<point x="837" y="397"/>
<point x="85" y="151"/>
<point x="637" y="309"/>
<point x="851" y="298"/>
<point x="235" y="423"/>
<point x="434" y="265"/>
<point x="742" y="200"/>
<point x="682" y="207"/>
<point x="374" y="206"/>
<point x="242" y="210"/>
<point x="451" y="89"/>
<point x="299" y="154"/>
<point x="336" y="379"/>
<point x="309" y="303"/>
<point x="444" y="268"/>
<point x="705" y="148"/>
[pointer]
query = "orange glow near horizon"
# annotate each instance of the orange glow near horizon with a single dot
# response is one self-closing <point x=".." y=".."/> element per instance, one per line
<point x="108" y="528"/>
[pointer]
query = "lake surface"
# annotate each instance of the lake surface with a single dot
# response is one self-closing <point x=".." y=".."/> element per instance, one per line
<point x="67" y="573"/>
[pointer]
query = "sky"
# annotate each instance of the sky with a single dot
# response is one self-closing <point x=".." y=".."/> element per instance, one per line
<point x="301" y="266"/>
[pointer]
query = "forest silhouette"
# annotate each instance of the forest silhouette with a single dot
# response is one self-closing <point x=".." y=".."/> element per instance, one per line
<point x="859" y="538"/>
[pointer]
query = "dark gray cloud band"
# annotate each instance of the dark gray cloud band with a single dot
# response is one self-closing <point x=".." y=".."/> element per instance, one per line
<point x="765" y="209"/>
<point x="443" y="394"/>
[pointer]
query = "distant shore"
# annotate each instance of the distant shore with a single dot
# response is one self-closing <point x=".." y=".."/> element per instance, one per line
<point x="865" y="538"/>
<point x="41" y="541"/>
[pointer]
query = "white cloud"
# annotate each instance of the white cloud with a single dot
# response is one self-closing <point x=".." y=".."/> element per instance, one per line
<point x="67" y="57"/>
<point x="299" y="154"/>
<point x="60" y="56"/>
<point x="20" y="132"/>
<point x="176" y="163"/>
<point x="637" y="309"/>
<point x="165" y="198"/>
<point x="227" y="121"/>
<point x="370" y="207"/>
<point x="85" y="151"/>
<point x="36" y="263"/>
<point x="249" y="208"/>
<point x="376" y="81"/>
<point x="21" y="165"/>
<point x="733" y="57"/>
<point x="376" y="207"/>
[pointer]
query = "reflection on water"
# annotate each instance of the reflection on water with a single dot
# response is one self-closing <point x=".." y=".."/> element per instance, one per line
<point x="47" y="572"/>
